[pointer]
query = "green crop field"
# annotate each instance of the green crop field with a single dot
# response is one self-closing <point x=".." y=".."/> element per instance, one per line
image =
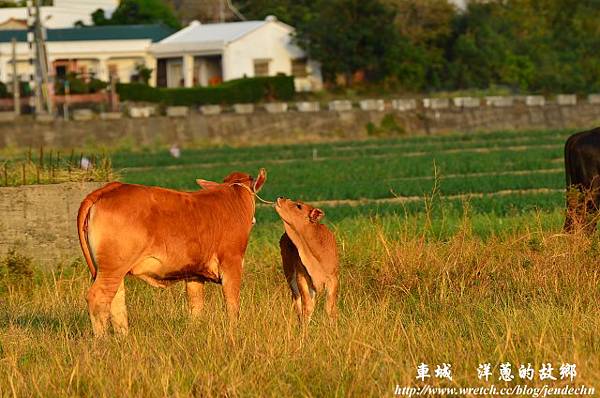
<point x="451" y="251"/>
<point x="502" y="173"/>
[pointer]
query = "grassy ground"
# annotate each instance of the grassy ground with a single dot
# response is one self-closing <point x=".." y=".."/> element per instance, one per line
<point x="410" y="294"/>
<point x="478" y="272"/>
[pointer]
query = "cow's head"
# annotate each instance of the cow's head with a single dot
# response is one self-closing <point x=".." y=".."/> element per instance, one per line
<point x="238" y="178"/>
<point x="298" y="214"/>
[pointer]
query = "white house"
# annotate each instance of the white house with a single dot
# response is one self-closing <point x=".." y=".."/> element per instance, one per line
<point x="206" y="54"/>
<point x="100" y="51"/>
<point x="63" y="13"/>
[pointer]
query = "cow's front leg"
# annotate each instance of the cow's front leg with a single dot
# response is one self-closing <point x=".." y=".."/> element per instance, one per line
<point x="195" y="297"/>
<point x="307" y="293"/>
<point x="232" y="280"/>
<point x="332" y="287"/>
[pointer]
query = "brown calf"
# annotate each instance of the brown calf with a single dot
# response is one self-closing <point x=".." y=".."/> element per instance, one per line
<point x="163" y="236"/>
<point x="309" y="255"/>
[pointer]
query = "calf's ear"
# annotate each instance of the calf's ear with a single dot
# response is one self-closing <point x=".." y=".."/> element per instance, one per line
<point x="260" y="180"/>
<point x="207" y="184"/>
<point x="316" y="215"/>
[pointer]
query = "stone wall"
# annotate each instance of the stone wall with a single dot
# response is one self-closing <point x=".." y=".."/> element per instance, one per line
<point x="429" y="116"/>
<point x="39" y="221"/>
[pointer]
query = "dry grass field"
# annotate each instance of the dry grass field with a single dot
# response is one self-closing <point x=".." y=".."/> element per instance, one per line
<point x="527" y="296"/>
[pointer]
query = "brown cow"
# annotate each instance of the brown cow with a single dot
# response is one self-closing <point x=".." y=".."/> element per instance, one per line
<point x="163" y="236"/>
<point x="309" y="255"/>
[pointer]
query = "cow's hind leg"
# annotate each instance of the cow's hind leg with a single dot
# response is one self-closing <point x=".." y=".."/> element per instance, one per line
<point x="99" y="298"/>
<point x="195" y="297"/>
<point x="574" y="217"/>
<point x="591" y="206"/>
<point x="118" y="311"/>
<point x="232" y="279"/>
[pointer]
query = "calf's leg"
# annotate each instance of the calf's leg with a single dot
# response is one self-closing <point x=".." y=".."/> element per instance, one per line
<point x="306" y="293"/>
<point x="331" y="303"/>
<point x="195" y="296"/>
<point x="297" y="300"/>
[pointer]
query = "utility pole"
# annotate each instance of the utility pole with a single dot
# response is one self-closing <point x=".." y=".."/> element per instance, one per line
<point x="221" y="11"/>
<point x="43" y="58"/>
<point x="43" y="101"/>
<point x="34" y="82"/>
<point x="16" y="85"/>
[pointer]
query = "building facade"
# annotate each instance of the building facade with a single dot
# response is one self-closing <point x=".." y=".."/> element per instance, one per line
<point x="198" y="55"/>
<point x="207" y="54"/>
<point x="91" y="51"/>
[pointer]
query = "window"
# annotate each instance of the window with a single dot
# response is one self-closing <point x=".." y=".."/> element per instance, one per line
<point x="261" y="67"/>
<point x="299" y="67"/>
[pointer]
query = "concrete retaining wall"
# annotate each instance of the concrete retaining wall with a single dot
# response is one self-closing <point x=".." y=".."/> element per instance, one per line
<point x="39" y="221"/>
<point x="260" y="126"/>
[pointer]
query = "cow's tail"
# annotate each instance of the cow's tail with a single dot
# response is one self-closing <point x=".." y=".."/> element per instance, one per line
<point x="82" y="224"/>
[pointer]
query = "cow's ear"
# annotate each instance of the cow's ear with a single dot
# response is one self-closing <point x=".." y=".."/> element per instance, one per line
<point x="316" y="215"/>
<point x="207" y="184"/>
<point x="260" y="180"/>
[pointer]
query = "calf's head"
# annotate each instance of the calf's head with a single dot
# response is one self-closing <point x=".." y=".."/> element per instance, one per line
<point x="297" y="214"/>
<point x="255" y="184"/>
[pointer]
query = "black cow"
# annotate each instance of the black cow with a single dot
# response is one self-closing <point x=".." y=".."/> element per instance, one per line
<point x="582" y="169"/>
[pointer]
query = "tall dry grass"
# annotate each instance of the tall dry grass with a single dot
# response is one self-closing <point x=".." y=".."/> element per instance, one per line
<point x="407" y="297"/>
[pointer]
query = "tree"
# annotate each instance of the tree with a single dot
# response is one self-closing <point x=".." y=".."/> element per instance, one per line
<point x="292" y="12"/>
<point x="136" y="12"/>
<point x="205" y="11"/>
<point x="99" y="18"/>
<point x="350" y="36"/>
<point x="531" y="45"/>
<point x="427" y="26"/>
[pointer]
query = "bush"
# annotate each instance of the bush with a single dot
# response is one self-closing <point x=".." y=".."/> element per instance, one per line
<point x="388" y="126"/>
<point x="15" y="269"/>
<point x="96" y="85"/>
<point x="3" y="91"/>
<point x="23" y="86"/>
<point x="235" y="91"/>
<point x="78" y="85"/>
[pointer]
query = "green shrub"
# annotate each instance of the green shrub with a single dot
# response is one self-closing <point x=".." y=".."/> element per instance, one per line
<point x="96" y="85"/>
<point x="138" y="92"/>
<point x="15" y="269"/>
<point x="235" y="91"/>
<point x="78" y="85"/>
<point x="388" y="126"/>
<point x="3" y="91"/>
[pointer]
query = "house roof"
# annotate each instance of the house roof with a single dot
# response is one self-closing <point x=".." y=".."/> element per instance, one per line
<point x="214" y="32"/>
<point x="210" y="37"/>
<point x="94" y="33"/>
